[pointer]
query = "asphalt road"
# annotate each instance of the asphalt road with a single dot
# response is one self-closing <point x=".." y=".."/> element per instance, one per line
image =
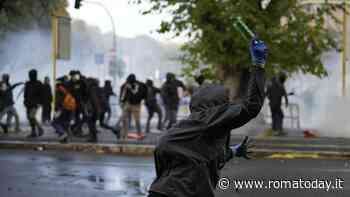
<point x="67" y="174"/>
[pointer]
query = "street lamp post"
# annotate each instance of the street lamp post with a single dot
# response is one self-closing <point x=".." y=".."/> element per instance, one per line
<point x="111" y="19"/>
<point x="114" y="44"/>
<point x="344" y="35"/>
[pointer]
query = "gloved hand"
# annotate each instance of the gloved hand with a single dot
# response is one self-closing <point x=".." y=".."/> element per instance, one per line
<point x="242" y="149"/>
<point x="57" y="114"/>
<point x="258" y="52"/>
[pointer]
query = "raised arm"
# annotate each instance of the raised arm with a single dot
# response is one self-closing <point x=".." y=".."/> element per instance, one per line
<point x="231" y="115"/>
<point x="16" y="85"/>
<point x="234" y="115"/>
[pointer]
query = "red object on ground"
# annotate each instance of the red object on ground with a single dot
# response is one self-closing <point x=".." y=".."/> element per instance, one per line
<point x="309" y="134"/>
<point x="136" y="136"/>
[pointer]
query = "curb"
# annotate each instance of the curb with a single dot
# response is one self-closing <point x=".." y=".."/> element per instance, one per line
<point x="147" y="150"/>
<point x="120" y="149"/>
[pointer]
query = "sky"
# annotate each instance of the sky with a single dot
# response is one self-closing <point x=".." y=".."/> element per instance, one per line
<point x="129" y="22"/>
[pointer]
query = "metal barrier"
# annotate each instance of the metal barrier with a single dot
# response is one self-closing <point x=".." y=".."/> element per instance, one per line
<point x="291" y="115"/>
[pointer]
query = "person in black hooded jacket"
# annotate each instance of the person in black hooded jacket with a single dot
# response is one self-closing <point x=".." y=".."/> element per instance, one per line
<point x="171" y="99"/>
<point x="189" y="156"/>
<point x="32" y="100"/>
<point x="46" y="101"/>
<point x="132" y="93"/>
<point x="78" y="88"/>
<point x="7" y="103"/>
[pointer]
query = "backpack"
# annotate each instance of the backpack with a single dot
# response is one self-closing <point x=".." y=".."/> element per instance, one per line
<point x="69" y="102"/>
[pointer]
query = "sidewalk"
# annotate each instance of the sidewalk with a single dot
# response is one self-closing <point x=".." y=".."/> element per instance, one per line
<point x="287" y="147"/>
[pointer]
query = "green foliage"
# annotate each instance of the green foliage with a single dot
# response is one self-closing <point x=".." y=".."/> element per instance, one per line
<point x="16" y="15"/>
<point x="296" y="36"/>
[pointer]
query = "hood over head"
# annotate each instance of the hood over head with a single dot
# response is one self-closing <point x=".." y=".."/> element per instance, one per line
<point x="6" y="78"/>
<point x="170" y="77"/>
<point x="149" y="83"/>
<point x="33" y="75"/>
<point x="131" y="78"/>
<point x="209" y="96"/>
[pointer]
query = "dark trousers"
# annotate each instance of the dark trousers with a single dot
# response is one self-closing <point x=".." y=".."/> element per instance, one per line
<point x="151" y="110"/>
<point x="92" y="121"/>
<point x="277" y="118"/>
<point x="79" y="120"/>
<point x="46" y="112"/>
<point x="109" y="112"/>
<point x="61" y="123"/>
<point x="153" y="194"/>
<point x="171" y="115"/>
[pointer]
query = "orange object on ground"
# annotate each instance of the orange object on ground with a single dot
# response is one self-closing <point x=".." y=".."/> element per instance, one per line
<point x="309" y="134"/>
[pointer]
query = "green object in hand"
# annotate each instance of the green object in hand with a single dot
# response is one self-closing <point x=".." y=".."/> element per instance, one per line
<point x="243" y="29"/>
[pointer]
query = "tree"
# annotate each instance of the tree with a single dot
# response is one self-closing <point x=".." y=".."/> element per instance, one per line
<point x="18" y="14"/>
<point x="296" y="36"/>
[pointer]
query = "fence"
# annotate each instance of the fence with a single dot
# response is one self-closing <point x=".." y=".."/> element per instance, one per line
<point x="291" y="115"/>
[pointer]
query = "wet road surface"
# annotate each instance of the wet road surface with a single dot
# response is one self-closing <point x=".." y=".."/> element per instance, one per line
<point x="68" y="174"/>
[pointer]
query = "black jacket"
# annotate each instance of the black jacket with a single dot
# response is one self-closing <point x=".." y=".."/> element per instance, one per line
<point x="47" y="94"/>
<point x="275" y="92"/>
<point x="170" y="94"/>
<point x="133" y="93"/>
<point x="151" y="98"/>
<point x="79" y="90"/>
<point x="188" y="158"/>
<point x="32" y="93"/>
<point x="6" y="96"/>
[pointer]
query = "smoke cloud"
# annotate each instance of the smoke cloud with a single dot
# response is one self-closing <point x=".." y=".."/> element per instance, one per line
<point x="321" y="106"/>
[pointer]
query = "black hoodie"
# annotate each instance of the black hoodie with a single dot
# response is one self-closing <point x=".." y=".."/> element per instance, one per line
<point x="6" y="95"/>
<point x="132" y="91"/>
<point x="189" y="156"/>
<point x="32" y="90"/>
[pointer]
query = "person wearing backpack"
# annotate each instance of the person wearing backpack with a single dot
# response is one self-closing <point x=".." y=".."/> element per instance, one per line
<point x="132" y="93"/>
<point x="77" y="86"/>
<point x="32" y="101"/>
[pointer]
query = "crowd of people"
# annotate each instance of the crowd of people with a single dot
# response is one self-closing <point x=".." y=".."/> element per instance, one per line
<point x="81" y="100"/>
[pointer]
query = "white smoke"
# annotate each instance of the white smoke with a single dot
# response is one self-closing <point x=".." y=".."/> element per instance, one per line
<point x="321" y="106"/>
<point x="31" y="49"/>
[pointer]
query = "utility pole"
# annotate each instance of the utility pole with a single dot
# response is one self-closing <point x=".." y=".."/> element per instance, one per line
<point x="345" y="51"/>
<point x="54" y="59"/>
<point x="346" y="3"/>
